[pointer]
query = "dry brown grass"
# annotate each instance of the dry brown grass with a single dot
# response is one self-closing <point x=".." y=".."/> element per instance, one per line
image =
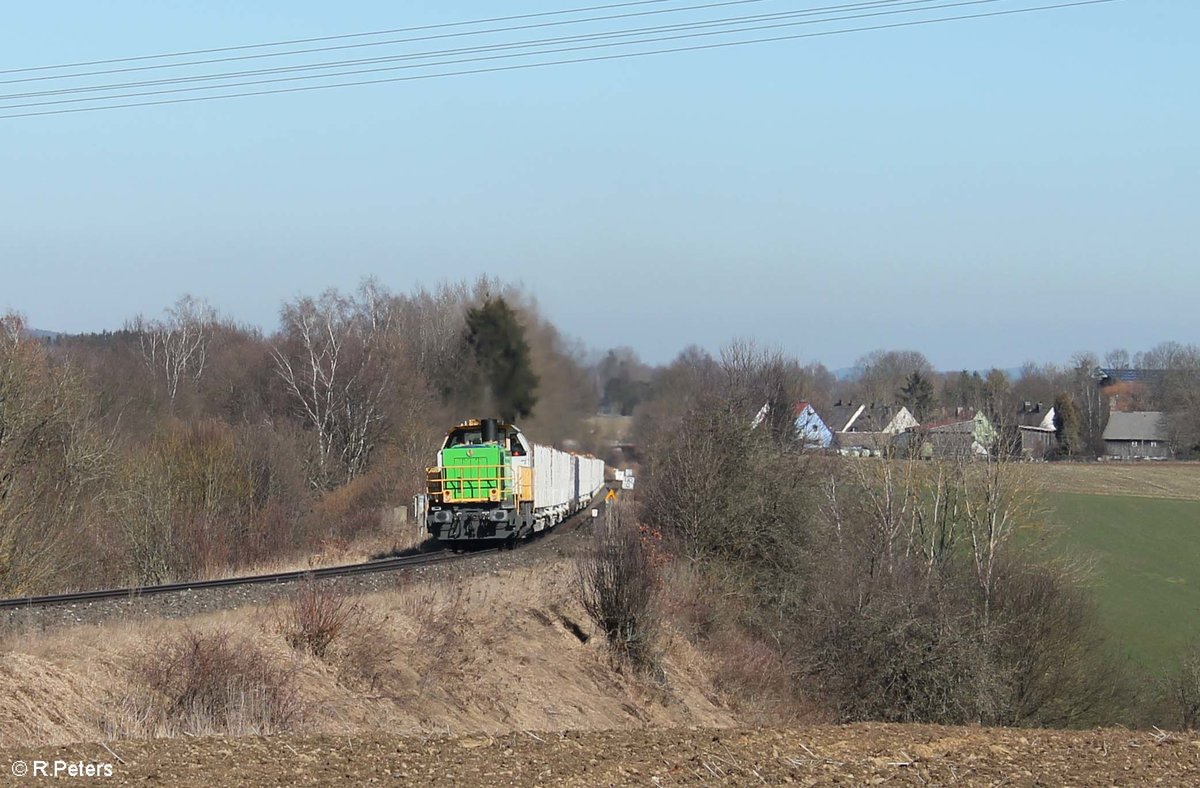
<point x="45" y="702"/>
<point x="392" y="540"/>
<point x="491" y="652"/>
<point x="748" y="675"/>
<point x="199" y="682"/>
<point x="1177" y="480"/>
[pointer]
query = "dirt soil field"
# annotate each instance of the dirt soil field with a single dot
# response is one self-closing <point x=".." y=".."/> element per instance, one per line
<point x="1179" y="480"/>
<point x="828" y="755"/>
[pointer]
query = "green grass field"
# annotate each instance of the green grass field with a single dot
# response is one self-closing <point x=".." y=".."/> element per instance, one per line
<point x="1146" y="558"/>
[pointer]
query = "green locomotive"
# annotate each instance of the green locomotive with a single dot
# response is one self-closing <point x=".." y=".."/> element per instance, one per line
<point x="491" y="484"/>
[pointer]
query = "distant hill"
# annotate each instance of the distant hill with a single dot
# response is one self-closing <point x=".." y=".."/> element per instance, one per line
<point x="38" y="333"/>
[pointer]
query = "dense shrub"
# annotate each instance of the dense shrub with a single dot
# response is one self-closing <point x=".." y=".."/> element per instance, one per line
<point x="888" y="632"/>
<point x="895" y="588"/>
<point x="315" y="617"/>
<point x="906" y="654"/>
<point x="618" y="580"/>
<point x="1182" y="690"/>
<point x="216" y="681"/>
<point x="53" y="463"/>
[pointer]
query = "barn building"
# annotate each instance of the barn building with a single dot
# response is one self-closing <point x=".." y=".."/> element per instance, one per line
<point x="1035" y="429"/>
<point x="1137" y="435"/>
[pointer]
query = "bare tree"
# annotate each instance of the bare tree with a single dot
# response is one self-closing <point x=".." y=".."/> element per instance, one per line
<point x="1176" y="390"/>
<point x="1117" y="358"/>
<point x="998" y="399"/>
<point x="912" y="510"/>
<point x="330" y="355"/>
<point x="881" y="373"/>
<point x="431" y="323"/>
<point x="1093" y="405"/>
<point x="999" y="495"/>
<point x="176" y="348"/>
<point x="50" y="459"/>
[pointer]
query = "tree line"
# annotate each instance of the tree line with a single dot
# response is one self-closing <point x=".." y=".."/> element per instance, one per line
<point x="865" y="590"/>
<point x="904" y="377"/>
<point x="189" y="444"/>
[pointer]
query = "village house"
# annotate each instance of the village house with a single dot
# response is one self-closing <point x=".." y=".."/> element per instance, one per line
<point x="1036" y="435"/>
<point x="965" y="434"/>
<point x="1137" y="435"/>
<point x="810" y="430"/>
<point x="858" y="426"/>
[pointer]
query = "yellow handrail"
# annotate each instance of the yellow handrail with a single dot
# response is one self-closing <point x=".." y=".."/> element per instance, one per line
<point x="496" y="483"/>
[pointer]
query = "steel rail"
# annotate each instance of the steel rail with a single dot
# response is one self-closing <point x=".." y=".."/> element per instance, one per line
<point x="345" y="570"/>
<point x="442" y="556"/>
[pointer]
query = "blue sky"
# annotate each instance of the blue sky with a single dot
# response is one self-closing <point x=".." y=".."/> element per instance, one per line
<point x="988" y="191"/>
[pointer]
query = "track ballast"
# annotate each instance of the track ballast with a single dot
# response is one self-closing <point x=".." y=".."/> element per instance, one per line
<point x="135" y="592"/>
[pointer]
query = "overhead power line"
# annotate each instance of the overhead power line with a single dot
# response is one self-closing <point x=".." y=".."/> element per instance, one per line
<point x="342" y="36"/>
<point x="647" y="34"/>
<point x="285" y="53"/>
<point x="592" y="59"/>
<point x="460" y="34"/>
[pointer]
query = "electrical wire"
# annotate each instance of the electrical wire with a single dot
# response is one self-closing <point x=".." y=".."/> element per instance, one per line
<point x="646" y="31"/>
<point x="598" y="58"/>
<point x="341" y="36"/>
<point x="382" y="43"/>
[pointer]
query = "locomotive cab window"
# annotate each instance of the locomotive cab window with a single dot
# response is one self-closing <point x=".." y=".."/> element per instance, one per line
<point x="465" y="438"/>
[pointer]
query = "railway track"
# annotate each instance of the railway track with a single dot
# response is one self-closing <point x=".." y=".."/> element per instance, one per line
<point x="347" y="570"/>
<point x="442" y="556"/>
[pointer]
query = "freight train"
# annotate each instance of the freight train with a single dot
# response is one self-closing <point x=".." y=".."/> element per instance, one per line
<point x="492" y="485"/>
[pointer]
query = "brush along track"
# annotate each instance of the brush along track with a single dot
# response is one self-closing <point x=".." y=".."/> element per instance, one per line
<point x="183" y="600"/>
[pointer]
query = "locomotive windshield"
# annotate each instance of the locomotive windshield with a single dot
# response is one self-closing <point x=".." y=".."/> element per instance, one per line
<point x="473" y="436"/>
<point x="465" y="438"/>
<point x="477" y="435"/>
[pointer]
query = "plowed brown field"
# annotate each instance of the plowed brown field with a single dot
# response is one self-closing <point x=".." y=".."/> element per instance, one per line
<point x="825" y="755"/>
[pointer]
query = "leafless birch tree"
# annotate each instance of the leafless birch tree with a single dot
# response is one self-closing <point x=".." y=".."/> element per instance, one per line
<point x="998" y="497"/>
<point x="176" y="348"/>
<point x="330" y="355"/>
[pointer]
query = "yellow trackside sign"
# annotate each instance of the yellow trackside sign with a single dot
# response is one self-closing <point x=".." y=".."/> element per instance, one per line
<point x="612" y="496"/>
